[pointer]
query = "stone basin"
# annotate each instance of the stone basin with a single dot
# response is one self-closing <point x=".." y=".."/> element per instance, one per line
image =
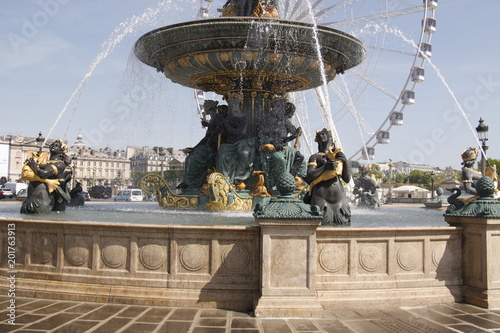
<point x="232" y="54"/>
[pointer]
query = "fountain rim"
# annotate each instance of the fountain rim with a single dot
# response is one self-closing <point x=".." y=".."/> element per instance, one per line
<point x="247" y="20"/>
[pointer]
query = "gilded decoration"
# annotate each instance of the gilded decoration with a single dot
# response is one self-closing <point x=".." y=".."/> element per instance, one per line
<point x="223" y="197"/>
<point x="155" y="184"/>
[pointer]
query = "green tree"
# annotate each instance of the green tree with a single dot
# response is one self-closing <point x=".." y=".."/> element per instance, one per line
<point x="401" y="178"/>
<point x="492" y="162"/>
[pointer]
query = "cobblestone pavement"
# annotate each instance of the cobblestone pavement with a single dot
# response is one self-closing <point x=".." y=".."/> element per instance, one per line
<point x="42" y="315"/>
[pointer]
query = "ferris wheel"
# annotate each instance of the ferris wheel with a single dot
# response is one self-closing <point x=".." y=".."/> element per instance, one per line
<point x="369" y="100"/>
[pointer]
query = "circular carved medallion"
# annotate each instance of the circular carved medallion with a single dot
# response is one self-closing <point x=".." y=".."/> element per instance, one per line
<point x="114" y="254"/>
<point x="235" y="257"/>
<point x="43" y="250"/>
<point x="407" y="257"/>
<point x="441" y="257"/>
<point x="77" y="251"/>
<point x="152" y="256"/>
<point x="193" y="257"/>
<point x="333" y="258"/>
<point x="371" y="258"/>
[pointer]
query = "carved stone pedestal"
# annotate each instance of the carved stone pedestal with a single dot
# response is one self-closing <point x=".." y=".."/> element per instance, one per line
<point x="288" y="268"/>
<point x="480" y="220"/>
<point x="481" y="267"/>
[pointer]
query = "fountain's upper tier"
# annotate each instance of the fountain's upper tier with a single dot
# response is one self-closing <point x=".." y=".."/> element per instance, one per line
<point x="238" y="53"/>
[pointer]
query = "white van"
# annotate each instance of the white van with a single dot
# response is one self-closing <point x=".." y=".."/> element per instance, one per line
<point x="131" y="194"/>
<point x="16" y="187"/>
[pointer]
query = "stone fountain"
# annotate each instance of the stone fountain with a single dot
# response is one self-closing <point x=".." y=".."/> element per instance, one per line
<point x="256" y="61"/>
<point x="282" y="267"/>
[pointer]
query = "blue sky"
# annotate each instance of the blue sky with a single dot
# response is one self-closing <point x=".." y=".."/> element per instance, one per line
<point x="56" y="51"/>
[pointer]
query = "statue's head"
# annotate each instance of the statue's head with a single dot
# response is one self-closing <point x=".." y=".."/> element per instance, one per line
<point x="57" y="147"/>
<point x="324" y="137"/>
<point x="210" y="106"/>
<point x="469" y="155"/>
<point x="278" y="105"/>
<point x="223" y="110"/>
<point x="234" y="101"/>
<point x="289" y="109"/>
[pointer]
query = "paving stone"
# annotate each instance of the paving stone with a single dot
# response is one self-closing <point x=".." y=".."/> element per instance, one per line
<point x="84" y="308"/>
<point x="445" y="309"/>
<point x="275" y="326"/>
<point x="183" y="314"/>
<point x="210" y="330"/>
<point x="155" y="315"/>
<point x="23" y="300"/>
<point x="175" y="326"/>
<point x="55" y="308"/>
<point x="347" y="315"/>
<point x="478" y="321"/>
<point x="38" y="304"/>
<point x="467" y="308"/>
<point x="372" y="314"/>
<point x="303" y="325"/>
<point x="244" y="331"/>
<point x="490" y="316"/>
<point x="468" y="328"/>
<point x="435" y="316"/>
<point x="104" y="312"/>
<point x="427" y="326"/>
<point x="213" y="313"/>
<point x="212" y="322"/>
<point x="4" y="328"/>
<point x="28" y="318"/>
<point x="244" y="323"/>
<point x="132" y="311"/>
<point x="79" y="326"/>
<point x="53" y="321"/>
<point x="332" y="326"/>
<point x="140" y="328"/>
<point x="365" y="326"/>
<point x="112" y="325"/>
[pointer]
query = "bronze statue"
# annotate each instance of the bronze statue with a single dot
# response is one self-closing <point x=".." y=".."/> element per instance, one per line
<point x="469" y="175"/>
<point x="327" y="171"/>
<point x="48" y="176"/>
<point x="236" y="153"/>
<point x="470" y="178"/>
<point x="275" y="156"/>
<point x="365" y="189"/>
<point x="253" y="8"/>
<point x="201" y="158"/>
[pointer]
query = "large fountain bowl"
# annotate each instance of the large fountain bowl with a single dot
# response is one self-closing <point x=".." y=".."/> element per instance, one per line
<point x="238" y="53"/>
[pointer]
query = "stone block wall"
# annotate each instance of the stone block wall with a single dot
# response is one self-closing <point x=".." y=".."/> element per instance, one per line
<point x="363" y="267"/>
<point x="170" y="265"/>
<point x="222" y="266"/>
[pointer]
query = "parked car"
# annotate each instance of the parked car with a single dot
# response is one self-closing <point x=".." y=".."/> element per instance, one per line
<point x="129" y="195"/>
<point x="16" y="187"/>
<point x="6" y="193"/>
<point x="85" y="195"/>
<point x="100" y="192"/>
<point x="22" y="194"/>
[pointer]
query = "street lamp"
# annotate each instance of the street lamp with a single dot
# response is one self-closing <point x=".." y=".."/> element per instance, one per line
<point x="74" y="160"/>
<point x="432" y="184"/>
<point x="482" y="133"/>
<point x="389" y="195"/>
<point x="39" y="142"/>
